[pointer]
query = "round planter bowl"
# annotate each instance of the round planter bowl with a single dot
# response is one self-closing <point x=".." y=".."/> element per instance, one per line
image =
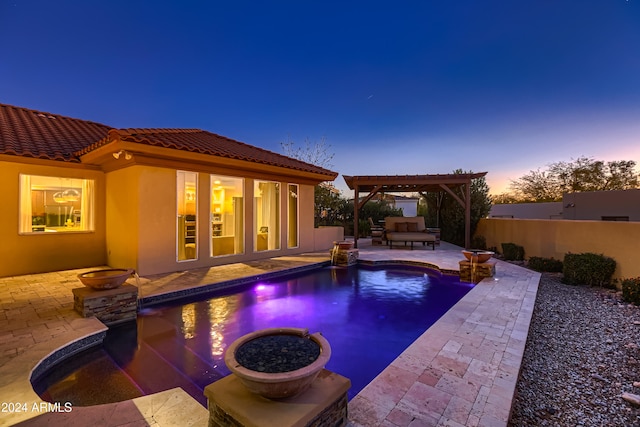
<point x="345" y="245"/>
<point x="105" y="279"/>
<point x="476" y="255"/>
<point x="278" y="385"/>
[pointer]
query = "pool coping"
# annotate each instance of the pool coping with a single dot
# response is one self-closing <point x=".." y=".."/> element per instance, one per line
<point x="419" y="385"/>
<point x="463" y="370"/>
<point x="201" y="290"/>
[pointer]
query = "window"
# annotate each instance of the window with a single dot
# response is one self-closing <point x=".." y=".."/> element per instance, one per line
<point x="266" y="215"/>
<point x="56" y="204"/>
<point x="292" y="216"/>
<point x="227" y="215"/>
<point x="187" y="190"/>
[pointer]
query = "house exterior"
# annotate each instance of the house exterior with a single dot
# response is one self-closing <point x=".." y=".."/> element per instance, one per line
<point x="547" y="210"/>
<point x="613" y="205"/>
<point x="81" y="194"/>
<point x="408" y="205"/>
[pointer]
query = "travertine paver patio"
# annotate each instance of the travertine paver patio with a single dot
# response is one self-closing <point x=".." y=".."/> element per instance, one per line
<point x="461" y="372"/>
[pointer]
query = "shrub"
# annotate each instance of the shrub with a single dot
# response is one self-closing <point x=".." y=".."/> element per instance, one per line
<point x="631" y="290"/>
<point x="545" y="264"/>
<point x="588" y="269"/>
<point x="512" y="252"/>
<point x="479" y="242"/>
<point x="364" y="229"/>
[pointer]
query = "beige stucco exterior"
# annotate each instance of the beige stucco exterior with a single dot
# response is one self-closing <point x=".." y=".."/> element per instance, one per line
<point x="555" y="238"/>
<point x="136" y="221"/>
<point x="42" y="252"/>
<point x="142" y="231"/>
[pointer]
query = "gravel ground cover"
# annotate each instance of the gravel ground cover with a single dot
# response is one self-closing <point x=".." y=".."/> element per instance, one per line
<point x="582" y="354"/>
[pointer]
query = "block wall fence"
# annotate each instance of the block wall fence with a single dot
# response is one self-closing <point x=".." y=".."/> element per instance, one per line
<point x="555" y="238"/>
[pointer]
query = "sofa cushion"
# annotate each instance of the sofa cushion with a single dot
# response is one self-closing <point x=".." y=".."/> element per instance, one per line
<point x="391" y="221"/>
<point x="411" y="237"/>
<point x="401" y="227"/>
<point x="412" y="226"/>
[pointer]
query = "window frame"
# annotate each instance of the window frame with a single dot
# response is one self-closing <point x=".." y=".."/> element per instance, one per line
<point x="75" y="193"/>
<point x="239" y="220"/>
<point x="184" y="226"/>
<point x="257" y="228"/>
<point x="297" y="216"/>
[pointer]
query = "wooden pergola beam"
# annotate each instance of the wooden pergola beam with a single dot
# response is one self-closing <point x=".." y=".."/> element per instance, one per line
<point x="369" y="196"/>
<point x="373" y="184"/>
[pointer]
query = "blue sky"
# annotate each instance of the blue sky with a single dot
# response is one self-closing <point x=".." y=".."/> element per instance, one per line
<point x="409" y="87"/>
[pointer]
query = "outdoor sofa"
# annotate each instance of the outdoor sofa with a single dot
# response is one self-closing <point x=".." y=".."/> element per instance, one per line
<point x="407" y="229"/>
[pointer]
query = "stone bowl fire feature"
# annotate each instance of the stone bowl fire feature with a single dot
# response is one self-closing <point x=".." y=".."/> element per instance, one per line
<point x="278" y="363"/>
<point x="477" y="255"/>
<point x="110" y="278"/>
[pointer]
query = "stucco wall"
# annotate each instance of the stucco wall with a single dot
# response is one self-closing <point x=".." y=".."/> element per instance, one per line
<point x="325" y="236"/>
<point x="135" y="223"/>
<point x="409" y="206"/>
<point x="142" y="222"/>
<point x="122" y="210"/>
<point x="551" y="210"/>
<point x="595" y="205"/>
<point x="555" y="238"/>
<point x="42" y="252"/>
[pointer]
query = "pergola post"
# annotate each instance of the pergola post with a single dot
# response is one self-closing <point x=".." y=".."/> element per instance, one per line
<point x="467" y="215"/>
<point x="356" y="209"/>
<point x="415" y="184"/>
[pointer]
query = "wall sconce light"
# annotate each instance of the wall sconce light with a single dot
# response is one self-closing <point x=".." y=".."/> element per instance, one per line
<point x="127" y="155"/>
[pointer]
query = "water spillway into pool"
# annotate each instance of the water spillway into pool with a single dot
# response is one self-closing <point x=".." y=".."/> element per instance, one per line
<point x="369" y="316"/>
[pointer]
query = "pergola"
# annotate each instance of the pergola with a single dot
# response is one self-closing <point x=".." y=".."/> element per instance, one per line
<point x="374" y="184"/>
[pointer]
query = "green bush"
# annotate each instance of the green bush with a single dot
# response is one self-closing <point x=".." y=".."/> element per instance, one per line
<point x="364" y="229"/>
<point x="545" y="264"/>
<point x="631" y="290"/>
<point x="479" y="242"/>
<point x="512" y="252"/>
<point x="588" y="269"/>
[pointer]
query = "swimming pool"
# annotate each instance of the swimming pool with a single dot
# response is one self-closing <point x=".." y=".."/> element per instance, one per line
<point x="369" y="316"/>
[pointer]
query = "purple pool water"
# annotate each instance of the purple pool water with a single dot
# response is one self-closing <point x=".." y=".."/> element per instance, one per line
<point x="369" y="316"/>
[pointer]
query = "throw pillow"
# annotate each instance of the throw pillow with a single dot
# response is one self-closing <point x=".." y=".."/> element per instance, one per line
<point x="401" y="227"/>
<point x="412" y="226"/>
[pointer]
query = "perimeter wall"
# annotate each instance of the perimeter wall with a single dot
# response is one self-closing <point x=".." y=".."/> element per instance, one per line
<point x="555" y="238"/>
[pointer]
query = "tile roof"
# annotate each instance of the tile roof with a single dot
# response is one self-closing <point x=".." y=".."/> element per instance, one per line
<point x="203" y="142"/>
<point x="30" y="133"/>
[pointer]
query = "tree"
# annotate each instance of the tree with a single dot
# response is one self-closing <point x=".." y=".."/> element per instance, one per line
<point x="316" y="154"/>
<point x="377" y="210"/>
<point x="444" y="211"/>
<point x="581" y="174"/>
<point x="330" y="206"/>
<point x="504" y="198"/>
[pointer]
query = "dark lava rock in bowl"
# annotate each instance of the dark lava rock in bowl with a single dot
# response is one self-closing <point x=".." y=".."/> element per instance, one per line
<point x="277" y="363"/>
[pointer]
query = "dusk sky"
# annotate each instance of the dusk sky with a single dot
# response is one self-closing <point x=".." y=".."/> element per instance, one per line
<point x="404" y="87"/>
